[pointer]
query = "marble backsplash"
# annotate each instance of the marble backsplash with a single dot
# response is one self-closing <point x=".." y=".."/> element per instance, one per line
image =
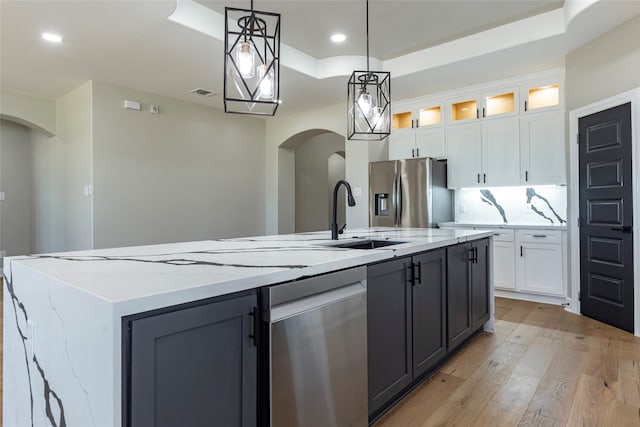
<point x="544" y="205"/>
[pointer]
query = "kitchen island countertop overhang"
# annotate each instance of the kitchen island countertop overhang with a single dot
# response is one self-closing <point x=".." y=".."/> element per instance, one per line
<point x="63" y="312"/>
<point x="141" y="278"/>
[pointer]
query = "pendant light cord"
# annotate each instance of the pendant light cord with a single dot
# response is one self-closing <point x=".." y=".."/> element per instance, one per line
<point x="367" y="35"/>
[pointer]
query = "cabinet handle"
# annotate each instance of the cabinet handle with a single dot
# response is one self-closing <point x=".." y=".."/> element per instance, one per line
<point x="411" y="273"/>
<point x="418" y="267"/>
<point x="473" y="255"/>
<point x="539" y="235"/>
<point x="417" y="152"/>
<point x="521" y="251"/>
<point x="525" y="106"/>
<point x="477" y="113"/>
<point x="484" y="178"/>
<point x="254" y="325"/>
<point x="413" y="152"/>
<point x="526" y="176"/>
<point x="478" y="178"/>
<point x="483" y="112"/>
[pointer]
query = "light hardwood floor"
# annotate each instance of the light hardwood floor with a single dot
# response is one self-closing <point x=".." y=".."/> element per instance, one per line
<point x="541" y="367"/>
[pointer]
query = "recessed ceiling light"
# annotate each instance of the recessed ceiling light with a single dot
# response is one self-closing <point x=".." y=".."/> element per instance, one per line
<point x="338" y="38"/>
<point x="53" y="38"/>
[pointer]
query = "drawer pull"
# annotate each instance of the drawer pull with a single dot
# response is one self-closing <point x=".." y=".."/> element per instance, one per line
<point x="540" y="235"/>
<point x="496" y="234"/>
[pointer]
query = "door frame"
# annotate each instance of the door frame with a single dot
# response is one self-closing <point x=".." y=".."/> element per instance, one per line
<point x="632" y="96"/>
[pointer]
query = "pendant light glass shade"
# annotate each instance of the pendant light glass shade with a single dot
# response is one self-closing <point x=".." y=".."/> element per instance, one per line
<point x="369" y="102"/>
<point x="251" y="62"/>
<point x="369" y="105"/>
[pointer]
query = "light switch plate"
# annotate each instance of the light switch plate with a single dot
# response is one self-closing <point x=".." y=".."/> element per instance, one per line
<point x="1" y="196"/>
<point x="357" y="191"/>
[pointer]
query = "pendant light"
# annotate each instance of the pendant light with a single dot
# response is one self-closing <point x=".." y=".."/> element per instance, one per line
<point x="369" y="102"/>
<point x="251" y="61"/>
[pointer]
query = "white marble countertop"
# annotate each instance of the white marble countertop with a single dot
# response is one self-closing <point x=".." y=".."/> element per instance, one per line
<point x="142" y="278"/>
<point x="508" y="225"/>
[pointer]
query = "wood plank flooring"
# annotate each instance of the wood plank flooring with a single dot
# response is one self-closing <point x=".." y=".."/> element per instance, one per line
<point x="542" y="367"/>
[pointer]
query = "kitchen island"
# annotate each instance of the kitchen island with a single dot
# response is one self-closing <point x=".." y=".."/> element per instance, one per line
<point x="63" y="313"/>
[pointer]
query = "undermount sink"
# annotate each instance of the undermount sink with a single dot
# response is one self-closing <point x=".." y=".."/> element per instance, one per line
<point x="366" y="244"/>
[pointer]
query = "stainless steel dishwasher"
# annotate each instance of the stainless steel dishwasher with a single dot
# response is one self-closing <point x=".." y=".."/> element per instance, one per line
<point x="318" y="351"/>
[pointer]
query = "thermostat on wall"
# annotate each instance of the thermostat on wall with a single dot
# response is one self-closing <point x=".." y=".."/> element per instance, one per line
<point x="132" y="105"/>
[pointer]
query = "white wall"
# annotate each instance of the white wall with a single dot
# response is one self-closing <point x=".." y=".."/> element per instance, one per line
<point x="15" y="182"/>
<point x="73" y="127"/>
<point x="188" y="173"/>
<point x="311" y="178"/>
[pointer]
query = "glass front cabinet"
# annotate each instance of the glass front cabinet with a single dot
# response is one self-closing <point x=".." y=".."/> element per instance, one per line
<point x="417" y="131"/>
<point x="496" y="103"/>
<point x="542" y="95"/>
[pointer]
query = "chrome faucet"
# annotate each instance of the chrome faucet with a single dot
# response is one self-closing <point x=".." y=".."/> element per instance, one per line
<point x="350" y="200"/>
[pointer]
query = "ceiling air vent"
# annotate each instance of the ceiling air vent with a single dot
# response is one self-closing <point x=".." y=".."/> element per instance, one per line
<point x="203" y="92"/>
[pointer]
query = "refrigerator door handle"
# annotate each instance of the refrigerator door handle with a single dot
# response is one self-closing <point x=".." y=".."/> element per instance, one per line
<point x="394" y="200"/>
<point x="399" y="208"/>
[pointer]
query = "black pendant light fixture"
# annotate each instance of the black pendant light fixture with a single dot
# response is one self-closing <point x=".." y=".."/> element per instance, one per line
<point x="369" y="102"/>
<point x="251" y="61"/>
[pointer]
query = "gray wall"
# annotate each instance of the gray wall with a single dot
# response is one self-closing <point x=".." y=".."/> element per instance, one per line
<point x="47" y="186"/>
<point x="73" y="133"/>
<point x="15" y="182"/>
<point x="311" y="178"/>
<point x="607" y="66"/>
<point x="188" y="173"/>
<point x="336" y="171"/>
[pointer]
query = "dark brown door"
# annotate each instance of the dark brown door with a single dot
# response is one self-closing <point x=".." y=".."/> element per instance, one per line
<point x="606" y="228"/>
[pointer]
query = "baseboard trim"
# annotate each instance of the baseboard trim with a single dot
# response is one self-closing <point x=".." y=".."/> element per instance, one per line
<point x="546" y="299"/>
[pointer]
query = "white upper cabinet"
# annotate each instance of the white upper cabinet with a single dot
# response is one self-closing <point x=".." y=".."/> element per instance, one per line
<point x="464" y="155"/>
<point x="501" y="152"/>
<point x="542" y="149"/>
<point x="417" y="131"/>
<point x="500" y="103"/>
<point x="500" y="134"/>
<point x="484" y="154"/>
<point x="463" y="109"/>
<point x="486" y="105"/>
<point x="542" y="95"/>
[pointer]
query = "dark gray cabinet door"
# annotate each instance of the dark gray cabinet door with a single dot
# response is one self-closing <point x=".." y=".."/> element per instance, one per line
<point x="459" y="323"/>
<point x="388" y="330"/>
<point x="194" y="366"/>
<point x="480" y="283"/>
<point x="429" y="298"/>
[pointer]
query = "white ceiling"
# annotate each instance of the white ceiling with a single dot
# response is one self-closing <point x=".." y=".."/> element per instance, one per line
<point x="428" y="45"/>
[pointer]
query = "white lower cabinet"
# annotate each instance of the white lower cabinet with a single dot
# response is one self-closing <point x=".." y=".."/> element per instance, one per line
<point x="539" y="262"/>
<point x="503" y="265"/>
<point x="528" y="264"/>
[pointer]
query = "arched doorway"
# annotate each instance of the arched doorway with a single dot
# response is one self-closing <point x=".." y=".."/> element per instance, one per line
<point x="303" y="179"/>
<point x="31" y="212"/>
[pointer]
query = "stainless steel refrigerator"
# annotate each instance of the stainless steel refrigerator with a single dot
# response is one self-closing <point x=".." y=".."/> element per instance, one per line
<point x="409" y="193"/>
